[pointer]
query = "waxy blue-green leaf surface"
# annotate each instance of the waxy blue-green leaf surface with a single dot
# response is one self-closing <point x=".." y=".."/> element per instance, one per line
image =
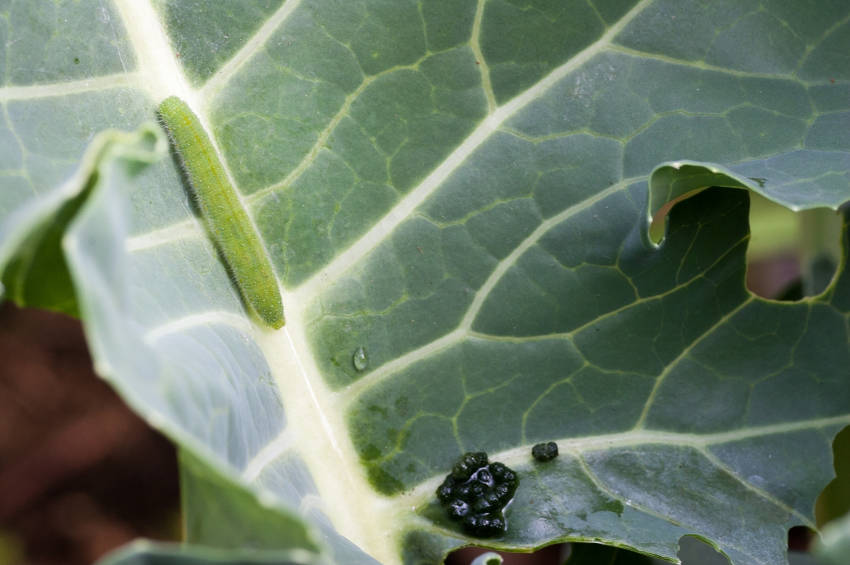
<point x="456" y="196"/>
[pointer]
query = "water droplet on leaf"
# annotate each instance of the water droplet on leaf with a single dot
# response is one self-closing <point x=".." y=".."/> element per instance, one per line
<point x="360" y="360"/>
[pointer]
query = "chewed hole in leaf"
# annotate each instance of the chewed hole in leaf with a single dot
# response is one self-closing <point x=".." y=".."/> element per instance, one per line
<point x="692" y="549"/>
<point x="800" y="538"/>
<point x="791" y="255"/>
<point x="658" y="226"/>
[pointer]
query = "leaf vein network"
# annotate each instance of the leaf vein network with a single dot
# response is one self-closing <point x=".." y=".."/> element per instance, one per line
<point x="367" y="242"/>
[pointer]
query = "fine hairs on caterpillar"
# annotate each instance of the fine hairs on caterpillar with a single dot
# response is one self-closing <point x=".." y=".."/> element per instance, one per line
<point x="222" y="212"/>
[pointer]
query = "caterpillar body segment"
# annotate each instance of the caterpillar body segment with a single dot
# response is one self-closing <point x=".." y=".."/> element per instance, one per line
<point x="221" y="210"/>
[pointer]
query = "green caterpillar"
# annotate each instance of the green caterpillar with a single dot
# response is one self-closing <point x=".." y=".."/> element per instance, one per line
<point x="227" y="221"/>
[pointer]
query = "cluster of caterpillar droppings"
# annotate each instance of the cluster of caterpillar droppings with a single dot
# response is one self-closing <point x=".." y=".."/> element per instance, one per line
<point x="545" y="451"/>
<point x="476" y="493"/>
<point x="221" y="210"/>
